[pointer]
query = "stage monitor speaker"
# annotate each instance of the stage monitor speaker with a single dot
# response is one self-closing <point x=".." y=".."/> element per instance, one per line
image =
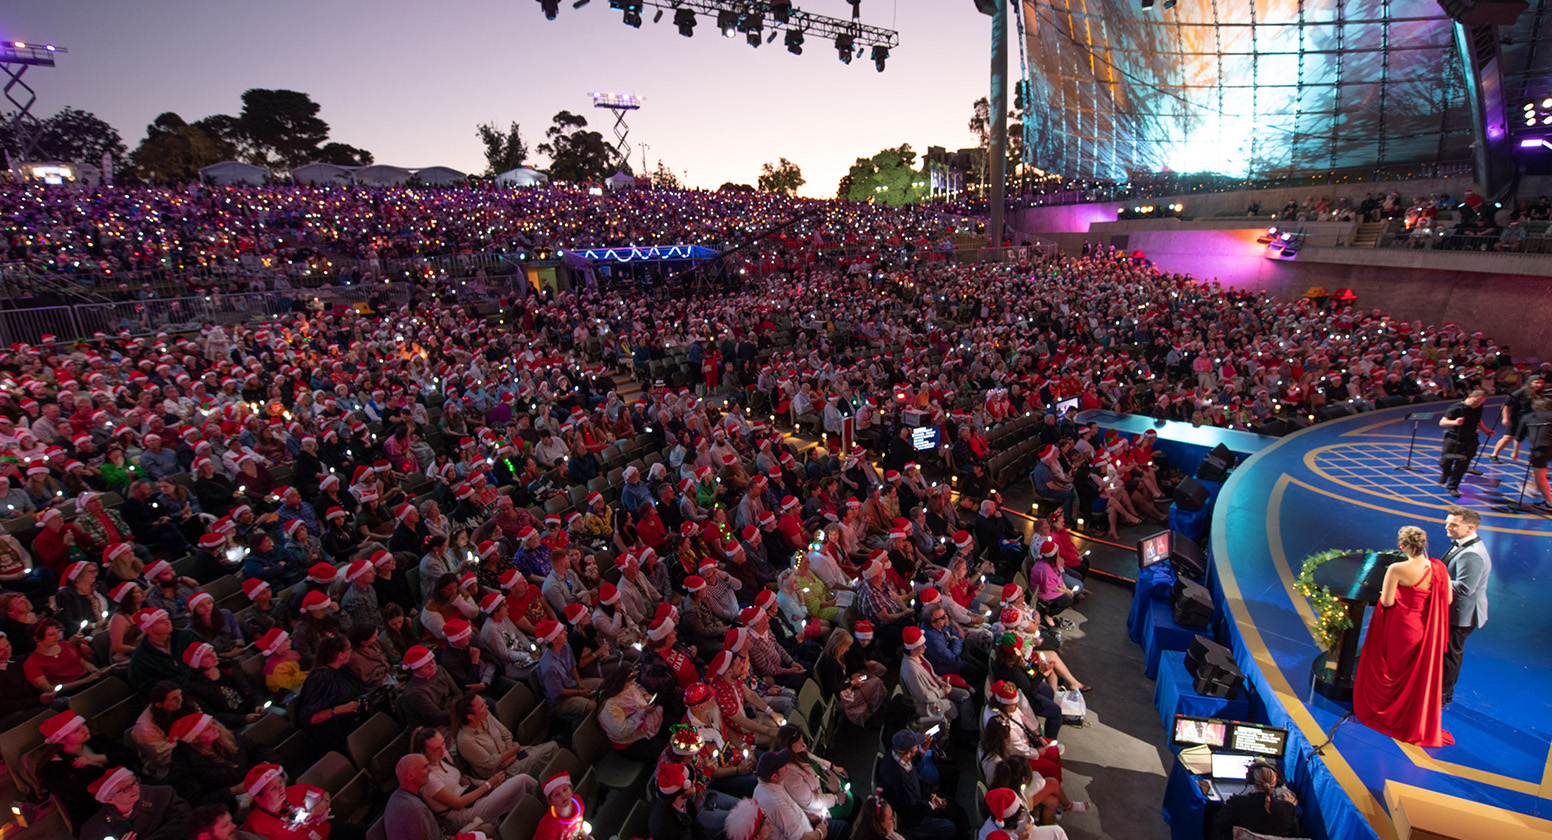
<point x="1186" y="558"/>
<point x="1394" y="401"/>
<point x="1216" y="466"/>
<point x="1334" y="411"/>
<point x="1298" y="421"/>
<point x="1193" y="605"/>
<point x="1190" y="494"/>
<point x="1213" y="669"/>
<point x="1274" y="428"/>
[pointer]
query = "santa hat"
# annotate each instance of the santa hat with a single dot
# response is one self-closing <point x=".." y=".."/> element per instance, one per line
<point x="57" y="727"/>
<point x="490" y="602"/>
<point x="672" y="778"/>
<point x="147" y="617"/>
<point x="558" y="780"/>
<point x="381" y="558"/>
<point x="269" y="643"/>
<point x="153" y="572"/>
<point x="574" y="612"/>
<point x="1003" y="803"/>
<point x="1011" y="592"/>
<point x="548" y="630"/>
<point x="912" y="636"/>
<point x="259" y="778"/>
<point x="199" y="598"/>
<point x="188" y="727"/>
<point x="930" y="595"/>
<point x="456" y="630"/>
<point x="194" y="652"/>
<point x="694" y="583"/>
<point x="659" y="629"/>
<point x="358" y="570"/>
<point x="110" y="783"/>
<point x="1005" y="692"/>
<point x="212" y="541"/>
<point x="863" y="630"/>
<point x="417" y="657"/>
<point x="608" y="593"/>
<point x="962" y="539"/>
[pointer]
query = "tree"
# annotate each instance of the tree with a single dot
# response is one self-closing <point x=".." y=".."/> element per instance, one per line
<point x="70" y="136"/>
<point x="575" y="154"/>
<point x="784" y="177"/>
<point x="843" y="191"/>
<point x="888" y="178"/>
<point x="173" y="149"/>
<point x="981" y="127"/>
<point x="342" y="154"/>
<point x="729" y="186"/>
<point x="664" y="178"/>
<point x="503" y="152"/>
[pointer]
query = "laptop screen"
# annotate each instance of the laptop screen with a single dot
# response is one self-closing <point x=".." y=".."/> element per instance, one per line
<point x="1231" y="766"/>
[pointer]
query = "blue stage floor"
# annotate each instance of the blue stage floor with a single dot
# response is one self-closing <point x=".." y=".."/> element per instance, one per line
<point x="1336" y="485"/>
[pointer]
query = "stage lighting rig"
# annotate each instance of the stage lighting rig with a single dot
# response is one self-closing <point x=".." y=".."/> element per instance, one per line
<point x="727" y="21"/>
<point x="843" y="47"/>
<point x="551" y="8"/>
<point x="781" y="10"/>
<point x="631" y="11"/>
<point x="685" y="20"/>
<point x="880" y="55"/>
<point x="794" y="41"/>
<point x="15" y="58"/>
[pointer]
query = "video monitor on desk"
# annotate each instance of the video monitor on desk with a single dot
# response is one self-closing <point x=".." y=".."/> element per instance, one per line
<point x="1154" y="549"/>
<point x="1257" y="739"/>
<point x="1193" y="731"/>
<point x="925" y="438"/>
<point x="1066" y="405"/>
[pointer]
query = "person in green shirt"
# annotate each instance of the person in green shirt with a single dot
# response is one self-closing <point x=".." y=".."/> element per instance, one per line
<point x="118" y="473"/>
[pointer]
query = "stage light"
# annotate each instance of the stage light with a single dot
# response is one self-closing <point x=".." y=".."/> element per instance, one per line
<point x="794" y="41"/>
<point x="753" y="39"/>
<point x="781" y="10"/>
<point x="1147" y="5"/>
<point x="771" y="38"/>
<point x="551" y="8"/>
<point x="685" y="20"/>
<point x="843" y="45"/>
<point x="752" y="23"/>
<point x="727" y="21"/>
<point x="1545" y="103"/>
<point x="880" y="55"/>
<point x="658" y="18"/>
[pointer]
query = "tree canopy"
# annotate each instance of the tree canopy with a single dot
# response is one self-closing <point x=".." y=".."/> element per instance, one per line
<point x="174" y="149"/>
<point x="576" y="154"/>
<point x="72" y="136"/>
<point x="504" y="151"/>
<point x="886" y="178"/>
<point x="782" y="177"/>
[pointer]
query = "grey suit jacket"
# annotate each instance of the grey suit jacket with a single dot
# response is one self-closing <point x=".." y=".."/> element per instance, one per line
<point x="1469" y="568"/>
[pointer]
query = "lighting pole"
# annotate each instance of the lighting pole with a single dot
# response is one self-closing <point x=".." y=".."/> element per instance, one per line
<point x="998" y="145"/>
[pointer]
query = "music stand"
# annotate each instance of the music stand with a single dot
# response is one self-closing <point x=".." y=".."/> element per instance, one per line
<point x="1416" y="417"/>
<point x="1520" y="504"/>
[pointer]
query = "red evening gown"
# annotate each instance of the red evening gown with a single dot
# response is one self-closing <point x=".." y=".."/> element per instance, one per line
<point x="1399" y="689"/>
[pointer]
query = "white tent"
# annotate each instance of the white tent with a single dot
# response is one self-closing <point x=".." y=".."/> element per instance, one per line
<point x="231" y="172"/>
<point x="523" y="176"/>
<point x="322" y="173"/>
<point x="620" y="181"/>
<point x="440" y="175"/>
<point x="382" y="176"/>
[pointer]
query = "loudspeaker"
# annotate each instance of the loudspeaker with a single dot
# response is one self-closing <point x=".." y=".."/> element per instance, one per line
<point x="1394" y="401"/>
<point x="1334" y="411"/>
<point x="1212" y="667"/>
<point x="1193" y="605"/>
<point x="1298" y="421"/>
<point x="1185" y="557"/>
<point x="1273" y="428"/>
<point x="1190" y="494"/>
<point x="1216" y="466"/>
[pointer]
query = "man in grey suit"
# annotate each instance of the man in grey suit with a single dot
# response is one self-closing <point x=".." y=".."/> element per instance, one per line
<point x="1469" y="568"/>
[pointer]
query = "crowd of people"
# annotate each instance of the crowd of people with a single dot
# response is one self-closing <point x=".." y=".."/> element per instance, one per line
<point x="298" y="523"/>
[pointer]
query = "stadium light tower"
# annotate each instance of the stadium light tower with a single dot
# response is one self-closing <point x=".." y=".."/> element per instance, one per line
<point x="15" y="58"/>
<point x="621" y="104"/>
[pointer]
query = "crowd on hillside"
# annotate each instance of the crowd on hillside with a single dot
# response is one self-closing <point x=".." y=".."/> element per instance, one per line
<point x="291" y="526"/>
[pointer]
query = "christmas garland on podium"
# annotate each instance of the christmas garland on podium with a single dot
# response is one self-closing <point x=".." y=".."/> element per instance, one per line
<point x="1330" y="617"/>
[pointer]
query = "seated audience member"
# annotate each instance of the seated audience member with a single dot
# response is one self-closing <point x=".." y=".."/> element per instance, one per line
<point x="820" y="787"/>
<point x="281" y="811"/>
<point x="570" y="695"/>
<point x="457" y="799"/>
<point x="627" y="715"/>
<point x="844" y="673"/>
<point x="328" y="705"/>
<point x="71" y="759"/>
<point x="487" y="746"/>
<point x="1010" y="817"/>
<point x="148" y="812"/>
<point x="407" y="811"/>
<point x="428" y="692"/>
<point x="922" y="815"/>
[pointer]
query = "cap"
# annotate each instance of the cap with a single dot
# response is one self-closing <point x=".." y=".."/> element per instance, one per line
<point x="770" y="763"/>
<point x="904" y="740"/>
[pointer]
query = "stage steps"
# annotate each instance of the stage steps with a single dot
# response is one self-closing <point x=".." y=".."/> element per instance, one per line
<point x="1368" y="235"/>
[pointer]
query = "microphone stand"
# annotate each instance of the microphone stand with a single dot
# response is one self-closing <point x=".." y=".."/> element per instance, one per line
<point x="1520" y="504"/>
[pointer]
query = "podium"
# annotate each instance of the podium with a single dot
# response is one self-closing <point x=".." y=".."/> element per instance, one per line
<point x="1356" y="580"/>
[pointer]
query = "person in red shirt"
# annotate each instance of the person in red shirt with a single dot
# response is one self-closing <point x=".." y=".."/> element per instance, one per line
<point x="297" y="812"/>
<point x="56" y="540"/>
<point x="564" y="820"/>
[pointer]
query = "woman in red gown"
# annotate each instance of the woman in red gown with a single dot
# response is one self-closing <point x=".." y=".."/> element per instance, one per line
<point x="1398" y="689"/>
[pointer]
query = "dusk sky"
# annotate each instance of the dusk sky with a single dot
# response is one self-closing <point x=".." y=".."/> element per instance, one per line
<point x="409" y="81"/>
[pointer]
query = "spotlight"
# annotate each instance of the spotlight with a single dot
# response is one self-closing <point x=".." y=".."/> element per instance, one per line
<point x="880" y="55"/>
<point x="771" y="38"/>
<point x="1147" y="5"/>
<point x="658" y="18"/>
<point x="727" y="21"/>
<point x="752" y="23"/>
<point x="1169" y="4"/>
<point x="551" y="8"/>
<point x="794" y="42"/>
<point x="843" y="45"/>
<point x="685" y="20"/>
<point x="753" y="39"/>
<point x="781" y="10"/>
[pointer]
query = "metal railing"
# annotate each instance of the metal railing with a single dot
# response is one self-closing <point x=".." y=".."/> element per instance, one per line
<point x="139" y="317"/>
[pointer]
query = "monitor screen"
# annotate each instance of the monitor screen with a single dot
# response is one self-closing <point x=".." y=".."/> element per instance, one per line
<point x="1225" y="766"/>
<point x="924" y="438"/>
<point x="1190" y="731"/>
<point x="1257" y="739"/>
<point x="1154" y="549"/>
<point x="1063" y="406"/>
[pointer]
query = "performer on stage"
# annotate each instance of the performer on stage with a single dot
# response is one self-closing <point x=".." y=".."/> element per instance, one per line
<point x="1461" y="422"/>
<point x="1469" y="566"/>
<point x="1398" y="687"/>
